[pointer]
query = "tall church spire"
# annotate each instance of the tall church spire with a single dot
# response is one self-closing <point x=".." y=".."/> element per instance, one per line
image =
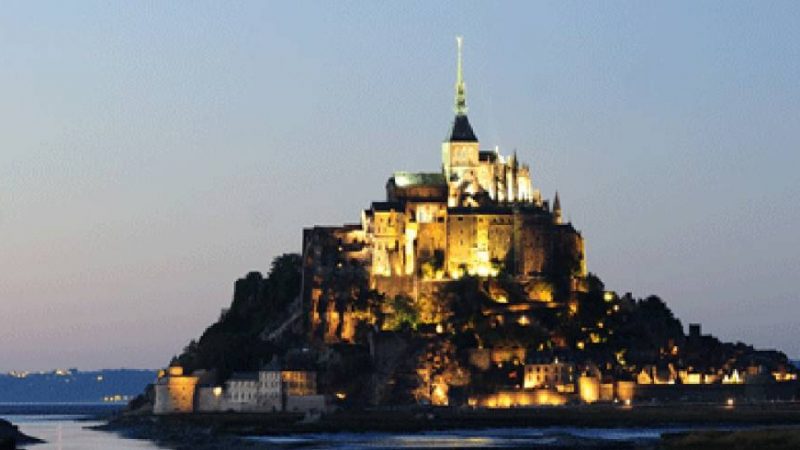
<point x="557" y="210"/>
<point x="461" y="90"/>
<point x="461" y="130"/>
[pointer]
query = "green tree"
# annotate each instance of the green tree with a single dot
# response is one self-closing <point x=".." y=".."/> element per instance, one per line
<point x="233" y="342"/>
<point x="404" y="313"/>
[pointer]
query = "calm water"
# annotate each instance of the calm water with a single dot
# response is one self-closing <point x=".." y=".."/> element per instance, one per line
<point x="61" y="425"/>
<point x="64" y="432"/>
<point x="68" y="432"/>
<point x="63" y="429"/>
<point x="525" y="438"/>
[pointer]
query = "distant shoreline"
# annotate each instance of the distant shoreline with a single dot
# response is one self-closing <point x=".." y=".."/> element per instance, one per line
<point x="101" y="411"/>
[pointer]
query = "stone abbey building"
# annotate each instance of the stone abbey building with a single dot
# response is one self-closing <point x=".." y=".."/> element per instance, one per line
<point x="478" y="215"/>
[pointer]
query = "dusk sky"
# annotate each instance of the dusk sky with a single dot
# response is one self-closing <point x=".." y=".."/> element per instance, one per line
<point x="152" y="153"/>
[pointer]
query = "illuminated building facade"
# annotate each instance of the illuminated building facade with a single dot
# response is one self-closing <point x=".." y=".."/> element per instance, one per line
<point x="174" y="392"/>
<point x="270" y="390"/>
<point x="479" y="215"/>
<point x="556" y="374"/>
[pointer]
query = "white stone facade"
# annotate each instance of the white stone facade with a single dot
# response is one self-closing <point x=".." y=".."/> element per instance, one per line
<point x="550" y="375"/>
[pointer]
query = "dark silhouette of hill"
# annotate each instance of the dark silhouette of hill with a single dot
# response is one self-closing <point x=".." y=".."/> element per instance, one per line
<point x="620" y="334"/>
<point x="234" y="341"/>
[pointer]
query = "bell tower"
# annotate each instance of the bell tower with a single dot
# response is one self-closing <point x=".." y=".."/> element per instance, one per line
<point x="460" y="148"/>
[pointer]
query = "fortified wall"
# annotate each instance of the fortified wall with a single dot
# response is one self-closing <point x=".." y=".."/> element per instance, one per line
<point x="479" y="215"/>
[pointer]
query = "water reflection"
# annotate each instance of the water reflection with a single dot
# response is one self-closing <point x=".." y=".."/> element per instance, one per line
<point x="469" y="439"/>
<point x="68" y="433"/>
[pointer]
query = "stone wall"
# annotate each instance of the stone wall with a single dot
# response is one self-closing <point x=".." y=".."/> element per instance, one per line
<point x="305" y="403"/>
<point x="717" y="393"/>
<point x="174" y="395"/>
<point x="209" y="399"/>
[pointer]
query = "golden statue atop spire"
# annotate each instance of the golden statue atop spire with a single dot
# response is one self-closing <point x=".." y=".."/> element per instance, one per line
<point x="461" y="91"/>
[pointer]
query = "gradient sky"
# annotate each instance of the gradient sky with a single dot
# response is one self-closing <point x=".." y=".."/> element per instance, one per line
<point x="151" y="153"/>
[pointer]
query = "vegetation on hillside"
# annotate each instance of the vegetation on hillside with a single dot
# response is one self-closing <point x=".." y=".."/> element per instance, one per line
<point x="419" y="354"/>
<point x="233" y="342"/>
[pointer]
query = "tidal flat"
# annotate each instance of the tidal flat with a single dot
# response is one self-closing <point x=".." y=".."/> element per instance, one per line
<point x="770" y="426"/>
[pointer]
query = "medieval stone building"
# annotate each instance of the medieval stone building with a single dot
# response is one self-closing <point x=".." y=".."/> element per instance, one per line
<point x="479" y="215"/>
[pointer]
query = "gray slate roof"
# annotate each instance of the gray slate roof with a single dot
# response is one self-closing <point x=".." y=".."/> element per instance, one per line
<point x="462" y="130"/>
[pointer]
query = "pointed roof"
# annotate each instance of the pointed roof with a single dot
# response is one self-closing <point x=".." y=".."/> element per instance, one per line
<point x="461" y="131"/>
<point x="557" y="203"/>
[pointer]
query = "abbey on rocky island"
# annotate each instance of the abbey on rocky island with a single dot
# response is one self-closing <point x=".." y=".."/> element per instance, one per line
<point x="479" y="215"/>
<point x="462" y="288"/>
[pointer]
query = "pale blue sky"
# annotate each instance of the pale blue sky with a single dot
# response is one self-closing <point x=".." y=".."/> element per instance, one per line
<point x="151" y="153"/>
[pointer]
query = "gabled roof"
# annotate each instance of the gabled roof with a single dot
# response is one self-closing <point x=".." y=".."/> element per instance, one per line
<point x="462" y="130"/>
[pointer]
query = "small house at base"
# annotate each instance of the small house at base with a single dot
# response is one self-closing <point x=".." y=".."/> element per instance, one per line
<point x="272" y="390"/>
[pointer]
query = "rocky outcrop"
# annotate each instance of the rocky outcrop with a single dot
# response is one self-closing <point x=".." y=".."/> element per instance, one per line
<point x="10" y="436"/>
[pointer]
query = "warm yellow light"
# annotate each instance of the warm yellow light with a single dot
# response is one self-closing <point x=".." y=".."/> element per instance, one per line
<point x="692" y="378"/>
<point x="341" y="395"/>
<point x="589" y="389"/>
<point x="784" y="376"/>
<point x="573" y="308"/>
<point x="217" y="391"/>
<point x="439" y="396"/>
<point x="524" y="321"/>
<point x="439" y="328"/>
<point x="729" y="402"/>
<point x="733" y="378"/>
<point x="580" y="345"/>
